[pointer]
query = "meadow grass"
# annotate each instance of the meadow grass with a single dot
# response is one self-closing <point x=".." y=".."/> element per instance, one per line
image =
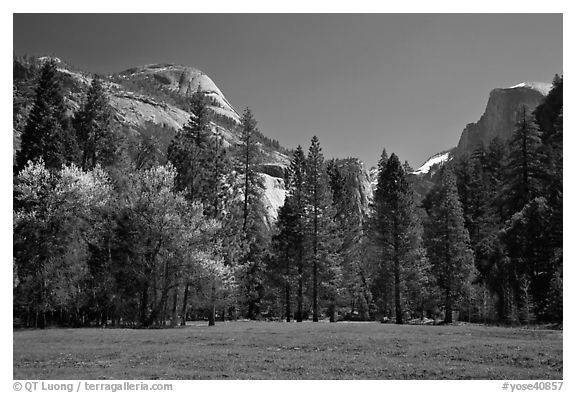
<point x="276" y="350"/>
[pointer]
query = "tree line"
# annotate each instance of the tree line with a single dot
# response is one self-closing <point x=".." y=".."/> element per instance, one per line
<point x="107" y="229"/>
<point x="158" y="228"/>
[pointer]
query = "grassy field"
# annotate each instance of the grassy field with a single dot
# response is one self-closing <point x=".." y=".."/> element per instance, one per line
<point x="274" y="350"/>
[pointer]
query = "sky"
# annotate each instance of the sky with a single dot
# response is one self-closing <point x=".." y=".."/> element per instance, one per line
<point x="408" y="83"/>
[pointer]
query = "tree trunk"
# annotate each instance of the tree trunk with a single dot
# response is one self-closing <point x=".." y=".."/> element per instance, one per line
<point x="315" y="291"/>
<point x="484" y="302"/>
<point x="158" y="309"/>
<point x="212" y="315"/>
<point x="144" y="304"/>
<point x="174" y="314"/>
<point x="397" y="301"/>
<point x="300" y="299"/>
<point x="164" y="311"/>
<point x="448" y="316"/>
<point x="185" y="304"/>
<point x="315" y="262"/>
<point x="42" y="320"/>
<point x="300" y="295"/>
<point x="288" y="311"/>
<point x="470" y="309"/>
<point x="246" y="184"/>
<point x="332" y="312"/>
<point x="153" y="296"/>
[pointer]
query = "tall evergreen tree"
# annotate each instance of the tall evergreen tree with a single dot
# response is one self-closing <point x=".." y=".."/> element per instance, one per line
<point x="319" y="202"/>
<point x="249" y="157"/>
<point x="552" y="177"/>
<point x="448" y="242"/>
<point x="93" y="124"/>
<point x="522" y="169"/>
<point x="526" y="236"/>
<point x="47" y="133"/>
<point x="473" y="191"/>
<point x="189" y="151"/>
<point x="255" y="235"/>
<point x="381" y="282"/>
<point x="494" y="172"/>
<point x="287" y="243"/>
<point x="396" y="225"/>
<point x="216" y="183"/>
<point x="297" y="196"/>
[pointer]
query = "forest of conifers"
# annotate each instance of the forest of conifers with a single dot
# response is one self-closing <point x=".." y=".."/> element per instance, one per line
<point x="112" y="228"/>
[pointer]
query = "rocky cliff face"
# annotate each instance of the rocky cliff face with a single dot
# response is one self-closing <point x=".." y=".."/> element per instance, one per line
<point x="500" y="115"/>
<point x="365" y="190"/>
<point x="156" y="94"/>
<point x="183" y="81"/>
<point x="359" y="181"/>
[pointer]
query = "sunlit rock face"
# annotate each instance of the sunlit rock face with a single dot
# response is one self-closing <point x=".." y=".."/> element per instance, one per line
<point x="273" y="196"/>
<point x="184" y="80"/>
<point x="501" y="112"/>
<point x="134" y="109"/>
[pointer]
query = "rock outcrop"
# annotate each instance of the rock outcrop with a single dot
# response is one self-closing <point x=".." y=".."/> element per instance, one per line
<point x="500" y="115"/>
<point x="184" y="81"/>
<point x="138" y="96"/>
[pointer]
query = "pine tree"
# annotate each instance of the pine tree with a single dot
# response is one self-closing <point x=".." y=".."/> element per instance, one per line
<point x="493" y="176"/>
<point x="255" y="236"/>
<point x="448" y="243"/>
<point x="216" y="183"/>
<point x="552" y="178"/>
<point x="249" y="160"/>
<point x="522" y="169"/>
<point x="287" y="243"/>
<point x="319" y="202"/>
<point x="473" y="192"/>
<point x="297" y="197"/>
<point x="93" y="124"/>
<point x="47" y="133"/>
<point x="397" y="227"/>
<point x="190" y="152"/>
<point x="381" y="283"/>
<point x="527" y="238"/>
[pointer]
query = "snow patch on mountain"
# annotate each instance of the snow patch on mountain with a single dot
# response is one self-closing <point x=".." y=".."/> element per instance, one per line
<point x="435" y="159"/>
<point x="542" y="87"/>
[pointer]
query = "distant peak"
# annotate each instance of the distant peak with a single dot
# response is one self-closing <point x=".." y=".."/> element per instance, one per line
<point x="542" y="87"/>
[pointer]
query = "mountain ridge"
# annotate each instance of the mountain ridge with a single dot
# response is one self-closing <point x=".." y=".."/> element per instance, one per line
<point x="141" y="98"/>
